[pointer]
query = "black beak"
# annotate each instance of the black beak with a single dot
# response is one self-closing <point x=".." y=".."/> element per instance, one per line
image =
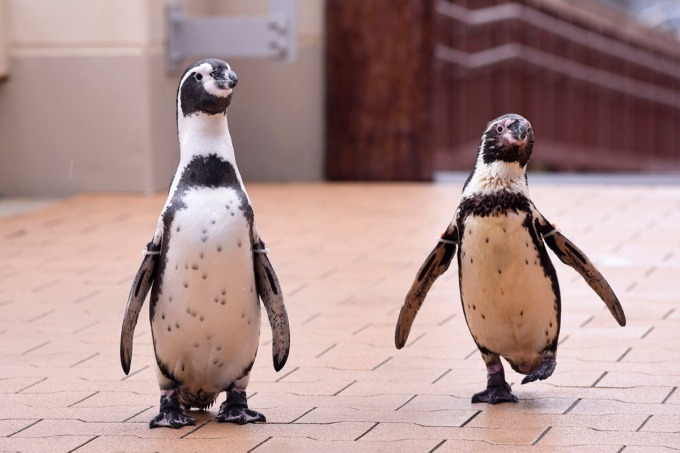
<point x="226" y="78"/>
<point x="232" y="79"/>
<point x="519" y="130"/>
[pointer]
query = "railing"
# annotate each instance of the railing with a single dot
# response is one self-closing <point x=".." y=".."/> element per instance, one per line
<point x="601" y="93"/>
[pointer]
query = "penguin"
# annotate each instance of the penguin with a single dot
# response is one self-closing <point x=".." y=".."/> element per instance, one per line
<point x="508" y="285"/>
<point x="206" y="267"/>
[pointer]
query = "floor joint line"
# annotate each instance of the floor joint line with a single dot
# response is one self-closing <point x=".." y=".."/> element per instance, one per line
<point x="437" y="446"/>
<point x="600" y="378"/>
<point x="83" y="444"/>
<point x="541" y="436"/>
<point x="669" y="395"/>
<point x="382" y="363"/>
<point x="133" y="416"/>
<point x="136" y="372"/>
<point x="643" y="423"/>
<point x="287" y="374"/>
<point x="470" y="419"/>
<point x="326" y="350"/>
<point x="26" y="427"/>
<point x="298" y="418"/>
<point x="442" y="375"/>
<point x="624" y="354"/>
<point x="195" y="429"/>
<point x="369" y="430"/>
<point x="260" y="444"/>
<point x="344" y="388"/>
<point x="407" y="401"/>
<point x="573" y="405"/>
<point x="80" y="401"/>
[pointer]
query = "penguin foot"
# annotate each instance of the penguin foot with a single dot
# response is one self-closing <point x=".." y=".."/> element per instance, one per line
<point x="543" y="371"/>
<point x="171" y="418"/>
<point x="172" y="414"/>
<point x="495" y="394"/>
<point x="235" y="410"/>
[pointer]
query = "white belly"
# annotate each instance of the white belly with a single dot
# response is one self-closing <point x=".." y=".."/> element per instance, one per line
<point x="207" y="318"/>
<point x="508" y="300"/>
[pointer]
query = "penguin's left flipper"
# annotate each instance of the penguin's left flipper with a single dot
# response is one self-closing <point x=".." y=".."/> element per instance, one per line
<point x="435" y="265"/>
<point x="269" y="290"/>
<point x="140" y="288"/>
<point x="571" y="255"/>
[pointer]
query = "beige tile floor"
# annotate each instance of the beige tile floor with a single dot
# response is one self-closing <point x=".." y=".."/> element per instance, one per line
<point x="346" y="255"/>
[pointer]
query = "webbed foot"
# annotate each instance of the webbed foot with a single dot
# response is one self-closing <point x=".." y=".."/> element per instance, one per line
<point x="495" y="394"/>
<point x="497" y="390"/>
<point x="172" y="414"/>
<point x="542" y="371"/>
<point x="235" y="410"/>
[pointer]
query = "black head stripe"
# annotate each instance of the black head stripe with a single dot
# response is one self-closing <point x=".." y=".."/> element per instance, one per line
<point x="193" y="98"/>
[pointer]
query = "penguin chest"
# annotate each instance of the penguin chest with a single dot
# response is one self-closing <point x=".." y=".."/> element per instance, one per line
<point x="508" y="297"/>
<point x="207" y="315"/>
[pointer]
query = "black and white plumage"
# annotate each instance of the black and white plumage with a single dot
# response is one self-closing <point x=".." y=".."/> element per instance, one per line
<point x="508" y="286"/>
<point x="207" y="267"/>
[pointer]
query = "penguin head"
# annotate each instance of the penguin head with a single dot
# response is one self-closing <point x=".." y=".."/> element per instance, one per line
<point x="502" y="157"/>
<point x="206" y="88"/>
<point x="508" y="138"/>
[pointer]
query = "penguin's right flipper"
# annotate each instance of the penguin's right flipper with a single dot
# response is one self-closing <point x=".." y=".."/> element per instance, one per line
<point x="140" y="288"/>
<point x="269" y="290"/>
<point x="435" y="265"/>
<point x="572" y="256"/>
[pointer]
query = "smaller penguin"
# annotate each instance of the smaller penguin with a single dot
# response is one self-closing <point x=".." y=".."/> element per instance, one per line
<point x="508" y="285"/>
<point x="206" y="267"/>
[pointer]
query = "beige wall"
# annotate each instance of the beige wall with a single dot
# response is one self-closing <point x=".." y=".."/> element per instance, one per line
<point x="88" y="105"/>
<point x="4" y="38"/>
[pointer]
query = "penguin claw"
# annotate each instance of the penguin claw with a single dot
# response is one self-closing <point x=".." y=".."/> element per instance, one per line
<point x="171" y="418"/>
<point x="543" y="371"/>
<point x="495" y="395"/>
<point x="239" y="415"/>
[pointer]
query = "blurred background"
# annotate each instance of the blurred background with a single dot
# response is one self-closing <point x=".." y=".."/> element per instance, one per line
<point x="339" y="89"/>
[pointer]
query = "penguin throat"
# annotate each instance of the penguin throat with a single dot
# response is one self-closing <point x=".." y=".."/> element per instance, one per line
<point x="495" y="177"/>
<point x="202" y="135"/>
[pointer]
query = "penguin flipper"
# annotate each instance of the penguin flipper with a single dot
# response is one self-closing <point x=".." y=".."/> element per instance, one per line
<point x="140" y="288"/>
<point x="571" y="255"/>
<point x="269" y="290"/>
<point x="435" y="265"/>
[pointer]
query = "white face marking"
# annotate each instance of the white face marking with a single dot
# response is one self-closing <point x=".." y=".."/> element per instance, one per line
<point x="205" y="70"/>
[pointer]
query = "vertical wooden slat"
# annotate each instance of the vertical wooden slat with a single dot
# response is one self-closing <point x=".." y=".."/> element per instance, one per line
<point x="379" y="69"/>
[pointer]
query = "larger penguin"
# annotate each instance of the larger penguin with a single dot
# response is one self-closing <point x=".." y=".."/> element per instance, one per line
<point x="207" y="265"/>
<point x="508" y="286"/>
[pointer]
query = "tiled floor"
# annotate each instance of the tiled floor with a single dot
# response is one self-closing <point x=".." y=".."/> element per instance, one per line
<point x="346" y="256"/>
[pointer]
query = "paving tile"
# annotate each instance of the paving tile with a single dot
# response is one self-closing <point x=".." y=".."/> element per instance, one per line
<point x="331" y="431"/>
<point x="124" y="443"/>
<point x="310" y="445"/>
<point x="46" y="444"/>
<point x="422" y="418"/>
<point x="483" y="446"/>
<point x="63" y="293"/>
<point x="570" y="436"/>
<point x="499" y="435"/>
<point x="11" y="426"/>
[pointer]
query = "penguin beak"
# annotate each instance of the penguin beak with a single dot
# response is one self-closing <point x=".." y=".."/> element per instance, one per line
<point x="225" y="79"/>
<point x="517" y="132"/>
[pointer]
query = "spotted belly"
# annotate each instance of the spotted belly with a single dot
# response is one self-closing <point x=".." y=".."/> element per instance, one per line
<point x="508" y="296"/>
<point x="206" y="319"/>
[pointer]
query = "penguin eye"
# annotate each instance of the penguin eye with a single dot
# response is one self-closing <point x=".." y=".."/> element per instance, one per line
<point x="499" y="128"/>
<point x="198" y="76"/>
